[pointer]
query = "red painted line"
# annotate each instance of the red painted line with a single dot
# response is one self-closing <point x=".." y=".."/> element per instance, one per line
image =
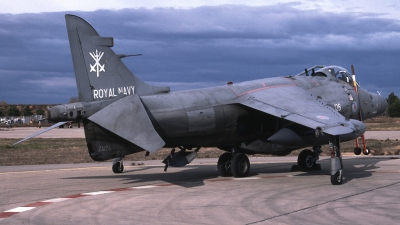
<point x="7" y="214"/>
<point x="219" y="180"/>
<point x="121" y="189"/>
<point x="76" y="196"/>
<point x="37" y="204"/>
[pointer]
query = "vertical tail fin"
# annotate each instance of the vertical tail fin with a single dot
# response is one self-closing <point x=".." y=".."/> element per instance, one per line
<point x="100" y="74"/>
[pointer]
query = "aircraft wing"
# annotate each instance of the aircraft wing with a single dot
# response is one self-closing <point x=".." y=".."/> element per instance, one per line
<point x="299" y="106"/>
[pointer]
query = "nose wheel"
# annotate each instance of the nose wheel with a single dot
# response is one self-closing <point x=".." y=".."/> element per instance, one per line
<point x="336" y="161"/>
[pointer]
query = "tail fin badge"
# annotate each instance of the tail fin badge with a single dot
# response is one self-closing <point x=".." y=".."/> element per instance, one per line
<point x="97" y="67"/>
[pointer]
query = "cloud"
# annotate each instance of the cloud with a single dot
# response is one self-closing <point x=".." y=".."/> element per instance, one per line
<point x="195" y="47"/>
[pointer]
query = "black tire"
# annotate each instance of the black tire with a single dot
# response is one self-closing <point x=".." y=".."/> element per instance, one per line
<point x="240" y="165"/>
<point x="367" y="151"/>
<point x="118" y="167"/>
<point x="305" y="160"/>
<point x="337" y="179"/>
<point x="224" y="165"/>
<point x="357" y="151"/>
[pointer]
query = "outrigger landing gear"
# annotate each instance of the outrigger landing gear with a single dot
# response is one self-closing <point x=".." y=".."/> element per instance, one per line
<point x="307" y="160"/>
<point x="118" y="166"/>
<point x="358" y="150"/>
<point x="336" y="161"/>
<point x="236" y="164"/>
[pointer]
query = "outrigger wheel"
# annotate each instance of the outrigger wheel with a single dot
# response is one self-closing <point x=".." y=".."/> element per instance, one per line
<point x="367" y="151"/>
<point x="357" y="151"/>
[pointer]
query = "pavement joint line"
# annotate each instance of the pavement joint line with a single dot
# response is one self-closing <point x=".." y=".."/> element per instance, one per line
<point x="323" y="203"/>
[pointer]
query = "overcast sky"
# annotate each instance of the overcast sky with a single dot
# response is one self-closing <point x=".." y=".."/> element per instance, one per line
<point x="199" y="43"/>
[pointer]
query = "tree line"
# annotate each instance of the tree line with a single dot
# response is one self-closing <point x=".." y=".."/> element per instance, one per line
<point x="26" y="111"/>
<point x="393" y="109"/>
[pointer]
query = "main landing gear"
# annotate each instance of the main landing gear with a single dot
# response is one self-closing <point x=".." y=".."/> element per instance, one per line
<point x="307" y="160"/>
<point x="233" y="164"/>
<point x="118" y="166"/>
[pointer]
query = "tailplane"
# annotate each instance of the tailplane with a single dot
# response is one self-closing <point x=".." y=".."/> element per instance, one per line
<point x="100" y="74"/>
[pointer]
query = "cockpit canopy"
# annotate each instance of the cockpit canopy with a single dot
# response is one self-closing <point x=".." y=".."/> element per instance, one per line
<point x="335" y="71"/>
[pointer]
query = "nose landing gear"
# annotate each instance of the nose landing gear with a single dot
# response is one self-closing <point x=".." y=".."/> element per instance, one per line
<point x="336" y="161"/>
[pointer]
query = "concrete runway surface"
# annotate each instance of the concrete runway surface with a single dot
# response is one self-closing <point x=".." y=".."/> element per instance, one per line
<point x="93" y="194"/>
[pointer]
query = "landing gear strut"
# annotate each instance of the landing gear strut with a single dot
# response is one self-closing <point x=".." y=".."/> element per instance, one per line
<point x="336" y="161"/>
<point x="118" y="166"/>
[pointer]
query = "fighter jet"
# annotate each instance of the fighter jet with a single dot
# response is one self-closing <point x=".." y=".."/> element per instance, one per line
<point x="123" y="115"/>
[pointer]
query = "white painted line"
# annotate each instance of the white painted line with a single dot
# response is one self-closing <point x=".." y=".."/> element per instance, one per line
<point x="53" y="200"/>
<point x="98" y="193"/>
<point x="247" y="178"/>
<point x="143" y="187"/>
<point x="20" y="209"/>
